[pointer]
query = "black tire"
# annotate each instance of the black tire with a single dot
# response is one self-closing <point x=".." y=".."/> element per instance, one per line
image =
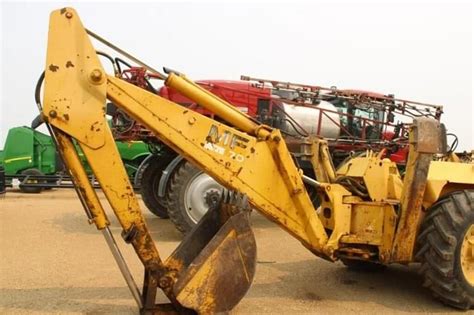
<point x="363" y="266"/>
<point x="31" y="190"/>
<point x="2" y="181"/>
<point x="149" y="183"/>
<point x="183" y="175"/>
<point x="439" y="249"/>
<point x="176" y="190"/>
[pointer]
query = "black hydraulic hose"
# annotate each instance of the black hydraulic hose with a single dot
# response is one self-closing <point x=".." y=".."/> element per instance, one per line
<point x="101" y="53"/>
<point x="39" y="84"/>
<point x="114" y="64"/>
<point x="118" y="61"/>
<point x="295" y="129"/>
<point x="353" y="186"/>
<point x="455" y="143"/>
<point x="294" y="123"/>
<point x="38" y="121"/>
<point x="151" y="88"/>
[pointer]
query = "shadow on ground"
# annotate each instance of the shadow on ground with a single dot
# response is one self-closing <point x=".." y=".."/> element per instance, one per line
<point x="398" y="287"/>
<point x="161" y="229"/>
<point x="76" y="222"/>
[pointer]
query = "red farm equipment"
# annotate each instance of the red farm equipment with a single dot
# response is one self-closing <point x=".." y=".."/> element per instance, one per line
<point x="351" y="120"/>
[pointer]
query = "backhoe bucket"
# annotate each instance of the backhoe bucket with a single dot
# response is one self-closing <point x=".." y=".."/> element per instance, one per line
<point x="216" y="261"/>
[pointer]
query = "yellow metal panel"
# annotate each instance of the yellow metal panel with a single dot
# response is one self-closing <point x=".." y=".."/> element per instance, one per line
<point x="376" y="178"/>
<point x="71" y="59"/>
<point x="356" y="167"/>
<point x="460" y="173"/>
<point x="439" y="179"/>
<point x="78" y="173"/>
<point x="335" y="213"/>
<point x="321" y="160"/>
<point x="389" y="226"/>
<point x="372" y="224"/>
<point x="367" y="223"/>
<point x="394" y="187"/>
<point x="380" y="176"/>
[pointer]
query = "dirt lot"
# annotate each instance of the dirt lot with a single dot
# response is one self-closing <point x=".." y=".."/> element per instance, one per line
<point x="52" y="261"/>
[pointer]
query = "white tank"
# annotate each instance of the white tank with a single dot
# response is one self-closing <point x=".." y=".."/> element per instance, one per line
<point x="308" y="118"/>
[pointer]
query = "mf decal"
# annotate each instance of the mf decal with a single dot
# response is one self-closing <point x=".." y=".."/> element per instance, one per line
<point x="218" y="142"/>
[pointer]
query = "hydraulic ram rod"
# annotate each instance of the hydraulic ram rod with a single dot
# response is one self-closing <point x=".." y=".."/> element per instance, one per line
<point x="127" y="275"/>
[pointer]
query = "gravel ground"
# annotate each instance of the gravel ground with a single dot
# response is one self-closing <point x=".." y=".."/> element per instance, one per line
<point x="52" y="261"/>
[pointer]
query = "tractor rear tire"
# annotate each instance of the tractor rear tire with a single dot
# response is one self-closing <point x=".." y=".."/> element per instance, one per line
<point x="446" y="249"/>
<point x="190" y="193"/>
<point x="149" y="183"/>
<point x="31" y="190"/>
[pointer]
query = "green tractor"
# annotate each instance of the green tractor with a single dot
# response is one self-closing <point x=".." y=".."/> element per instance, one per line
<point x="30" y="157"/>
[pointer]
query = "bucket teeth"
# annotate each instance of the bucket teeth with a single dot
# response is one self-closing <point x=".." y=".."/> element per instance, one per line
<point x="231" y="203"/>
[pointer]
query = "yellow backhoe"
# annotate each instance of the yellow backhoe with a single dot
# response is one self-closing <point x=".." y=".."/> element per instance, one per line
<point x="369" y="214"/>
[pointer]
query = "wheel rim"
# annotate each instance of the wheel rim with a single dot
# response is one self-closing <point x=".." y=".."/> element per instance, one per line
<point x="31" y="181"/>
<point x="200" y="192"/>
<point x="467" y="255"/>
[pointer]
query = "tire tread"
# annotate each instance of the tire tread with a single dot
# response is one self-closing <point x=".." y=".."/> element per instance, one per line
<point x="437" y="248"/>
<point x="177" y="180"/>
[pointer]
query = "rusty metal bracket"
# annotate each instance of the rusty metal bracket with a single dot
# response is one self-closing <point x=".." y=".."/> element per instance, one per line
<point x="424" y="142"/>
<point x="428" y="135"/>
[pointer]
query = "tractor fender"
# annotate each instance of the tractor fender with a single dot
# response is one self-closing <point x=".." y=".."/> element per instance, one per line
<point x="140" y="155"/>
<point x="167" y="172"/>
<point x="136" y="178"/>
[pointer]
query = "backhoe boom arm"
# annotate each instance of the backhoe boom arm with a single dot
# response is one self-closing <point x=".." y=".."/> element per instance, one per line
<point x="249" y="158"/>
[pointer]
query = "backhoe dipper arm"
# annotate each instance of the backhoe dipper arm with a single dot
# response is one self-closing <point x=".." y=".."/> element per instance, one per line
<point x="253" y="160"/>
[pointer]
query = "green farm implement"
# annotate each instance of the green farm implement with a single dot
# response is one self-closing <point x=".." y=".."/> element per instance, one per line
<point x="30" y="160"/>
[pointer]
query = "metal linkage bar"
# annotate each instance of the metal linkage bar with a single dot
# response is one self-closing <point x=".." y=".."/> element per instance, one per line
<point x="126" y="54"/>
<point x="122" y="266"/>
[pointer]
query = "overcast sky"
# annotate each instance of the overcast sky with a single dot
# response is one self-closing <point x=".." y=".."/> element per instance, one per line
<point x="419" y="51"/>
